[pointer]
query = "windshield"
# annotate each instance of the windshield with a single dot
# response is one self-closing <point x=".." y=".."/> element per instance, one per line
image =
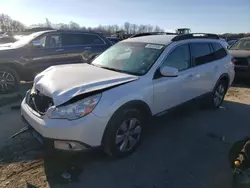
<point x="26" y="39"/>
<point x="132" y="58"/>
<point x="243" y="44"/>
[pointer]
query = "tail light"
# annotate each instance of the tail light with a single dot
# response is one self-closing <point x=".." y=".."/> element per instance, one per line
<point x="232" y="60"/>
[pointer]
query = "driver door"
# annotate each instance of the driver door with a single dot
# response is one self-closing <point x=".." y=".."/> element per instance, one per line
<point x="172" y="91"/>
<point x="49" y="52"/>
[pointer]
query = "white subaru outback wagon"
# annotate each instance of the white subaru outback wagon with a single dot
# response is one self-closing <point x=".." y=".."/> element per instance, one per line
<point x="108" y="102"/>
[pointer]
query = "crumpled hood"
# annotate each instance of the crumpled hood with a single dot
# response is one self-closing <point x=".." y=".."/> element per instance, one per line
<point x="240" y="53"/>
<point x="64" y="82"/>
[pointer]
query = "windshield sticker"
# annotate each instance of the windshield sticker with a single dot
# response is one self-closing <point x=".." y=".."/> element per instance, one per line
<point x="154" y="46"/>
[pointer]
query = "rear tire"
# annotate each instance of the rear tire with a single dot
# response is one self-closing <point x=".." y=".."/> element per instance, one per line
<point x="217" y="97"/>
<point x="9" y="80"/>
<point x="124" y="133"/>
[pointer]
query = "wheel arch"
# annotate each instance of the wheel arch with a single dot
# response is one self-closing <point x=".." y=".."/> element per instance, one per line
<point x="135" y="104"/>
<point x="224" y="77"/>
<point x="16" y="67"/>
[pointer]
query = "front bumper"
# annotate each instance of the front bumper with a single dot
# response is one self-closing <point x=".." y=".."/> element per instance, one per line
<point x="87" y="131"/>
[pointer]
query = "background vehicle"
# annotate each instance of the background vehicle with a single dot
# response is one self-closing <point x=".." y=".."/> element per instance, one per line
<point x="7" y="39"/>
<point x="231" y="42"/>
<point x="113" y="40"/>
<point x="240" y="50"/>
<point x="224" y="42"/>
<point x="180" y="31"/>
<point x="31" y="54"/>
<point x="134" y="79"/>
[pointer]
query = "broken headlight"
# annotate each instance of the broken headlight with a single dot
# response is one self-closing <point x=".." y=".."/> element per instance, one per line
<point x="75" y="110"/>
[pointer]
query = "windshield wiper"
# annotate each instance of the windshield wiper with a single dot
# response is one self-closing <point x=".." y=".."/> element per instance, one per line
<point x="112" y="69"/>
<point x="118" y="70"/>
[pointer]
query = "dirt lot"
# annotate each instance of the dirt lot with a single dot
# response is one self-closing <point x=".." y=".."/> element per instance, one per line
<point x="187" y="148"/>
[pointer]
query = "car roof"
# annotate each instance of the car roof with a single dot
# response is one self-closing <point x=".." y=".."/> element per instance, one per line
<point x="166" y="39"/>
<point x="65" y="31"/>
<point x="157" y="39"/>
<point x="248" y="38"/>
<point x="77" y="31"/>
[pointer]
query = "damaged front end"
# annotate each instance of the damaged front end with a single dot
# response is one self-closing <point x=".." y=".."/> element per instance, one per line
<point x="73" y="109"/>
<point x="38" y="102"/>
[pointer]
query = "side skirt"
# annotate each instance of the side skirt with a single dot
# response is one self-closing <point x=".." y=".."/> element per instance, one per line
<point x="185" y="104"/>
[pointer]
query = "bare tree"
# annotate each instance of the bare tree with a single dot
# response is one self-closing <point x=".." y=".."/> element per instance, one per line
<point x="7" y="24"/>
<point x="126" y="27"/>
<point x="150" y="28"/>
<point x="157" y="29"/>
<point x="134" y="28"/>
<point x="62" y="26"/>
<point x="116" y="28"/>
<point x="142" y="29"/>
<point x="17" y="26"/>
<point x="84" y="28"/>
<point x="74" y="25"/>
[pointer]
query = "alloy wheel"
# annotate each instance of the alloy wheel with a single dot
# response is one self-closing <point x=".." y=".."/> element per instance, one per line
<point x="128" y="135"/>
<point x="219" y="94"/>
<point x="7" y="81"/>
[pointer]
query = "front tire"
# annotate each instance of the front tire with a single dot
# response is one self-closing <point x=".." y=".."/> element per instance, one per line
<point x="124" y="133"/>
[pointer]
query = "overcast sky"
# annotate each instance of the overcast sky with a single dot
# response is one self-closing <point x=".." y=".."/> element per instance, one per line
<point x="216" y="16"/>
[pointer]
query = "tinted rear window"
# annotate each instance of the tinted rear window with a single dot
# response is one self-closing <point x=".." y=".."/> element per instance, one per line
<point x="201" y="53"/>
<point x="80" y="39"/>
<point x="219" y="51"/>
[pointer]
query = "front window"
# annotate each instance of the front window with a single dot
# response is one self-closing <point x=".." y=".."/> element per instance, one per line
<point x="26" y="39"/>
<point x="129" y="57"/>
<point x="51" y="41"/>
<point x="80" y="39"/>
<point x="179" y="58"/>
<point x="243" y="44"/>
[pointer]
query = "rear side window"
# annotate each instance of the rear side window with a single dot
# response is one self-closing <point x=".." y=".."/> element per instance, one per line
<point x="80" y="39"/>
<point x="201" y="53"/>
<point x="92" y="39"/>
<point x="219" y="51"/>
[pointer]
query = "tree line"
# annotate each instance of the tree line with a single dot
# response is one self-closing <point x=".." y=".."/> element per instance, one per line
<point x="8" y="24"/>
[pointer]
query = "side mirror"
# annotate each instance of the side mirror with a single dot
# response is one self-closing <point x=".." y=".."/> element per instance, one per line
<point x="36" y="44"/>
<point x="169" y="71"/>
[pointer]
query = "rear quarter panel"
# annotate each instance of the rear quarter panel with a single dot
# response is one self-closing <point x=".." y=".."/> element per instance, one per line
<point x="226" y="66"/>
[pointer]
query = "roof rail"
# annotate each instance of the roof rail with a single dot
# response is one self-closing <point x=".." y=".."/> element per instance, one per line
<point x="151" y="33"/>
<point x="195" y="36"/>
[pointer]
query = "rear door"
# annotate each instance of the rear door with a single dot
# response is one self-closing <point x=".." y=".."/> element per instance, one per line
<point x="81" y="47"/>
<point x="172" y="91"/>
<point x="204" y="68"/>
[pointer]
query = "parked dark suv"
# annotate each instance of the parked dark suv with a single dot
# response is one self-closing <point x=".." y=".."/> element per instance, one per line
<point x="23" y="59"/>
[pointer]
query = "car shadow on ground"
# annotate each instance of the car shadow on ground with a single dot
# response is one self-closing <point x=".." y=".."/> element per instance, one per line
<point x="185" y="148"/>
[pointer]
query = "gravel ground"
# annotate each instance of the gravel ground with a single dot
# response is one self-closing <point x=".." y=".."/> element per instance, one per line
<point x="187" y="148"/>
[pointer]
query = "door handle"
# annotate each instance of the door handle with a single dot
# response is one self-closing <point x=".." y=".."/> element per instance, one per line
<point x="59" y="50"/>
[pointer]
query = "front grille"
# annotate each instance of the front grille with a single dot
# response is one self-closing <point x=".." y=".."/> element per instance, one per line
<point x="241" y="61"/>
<point x="39" y="102"/>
